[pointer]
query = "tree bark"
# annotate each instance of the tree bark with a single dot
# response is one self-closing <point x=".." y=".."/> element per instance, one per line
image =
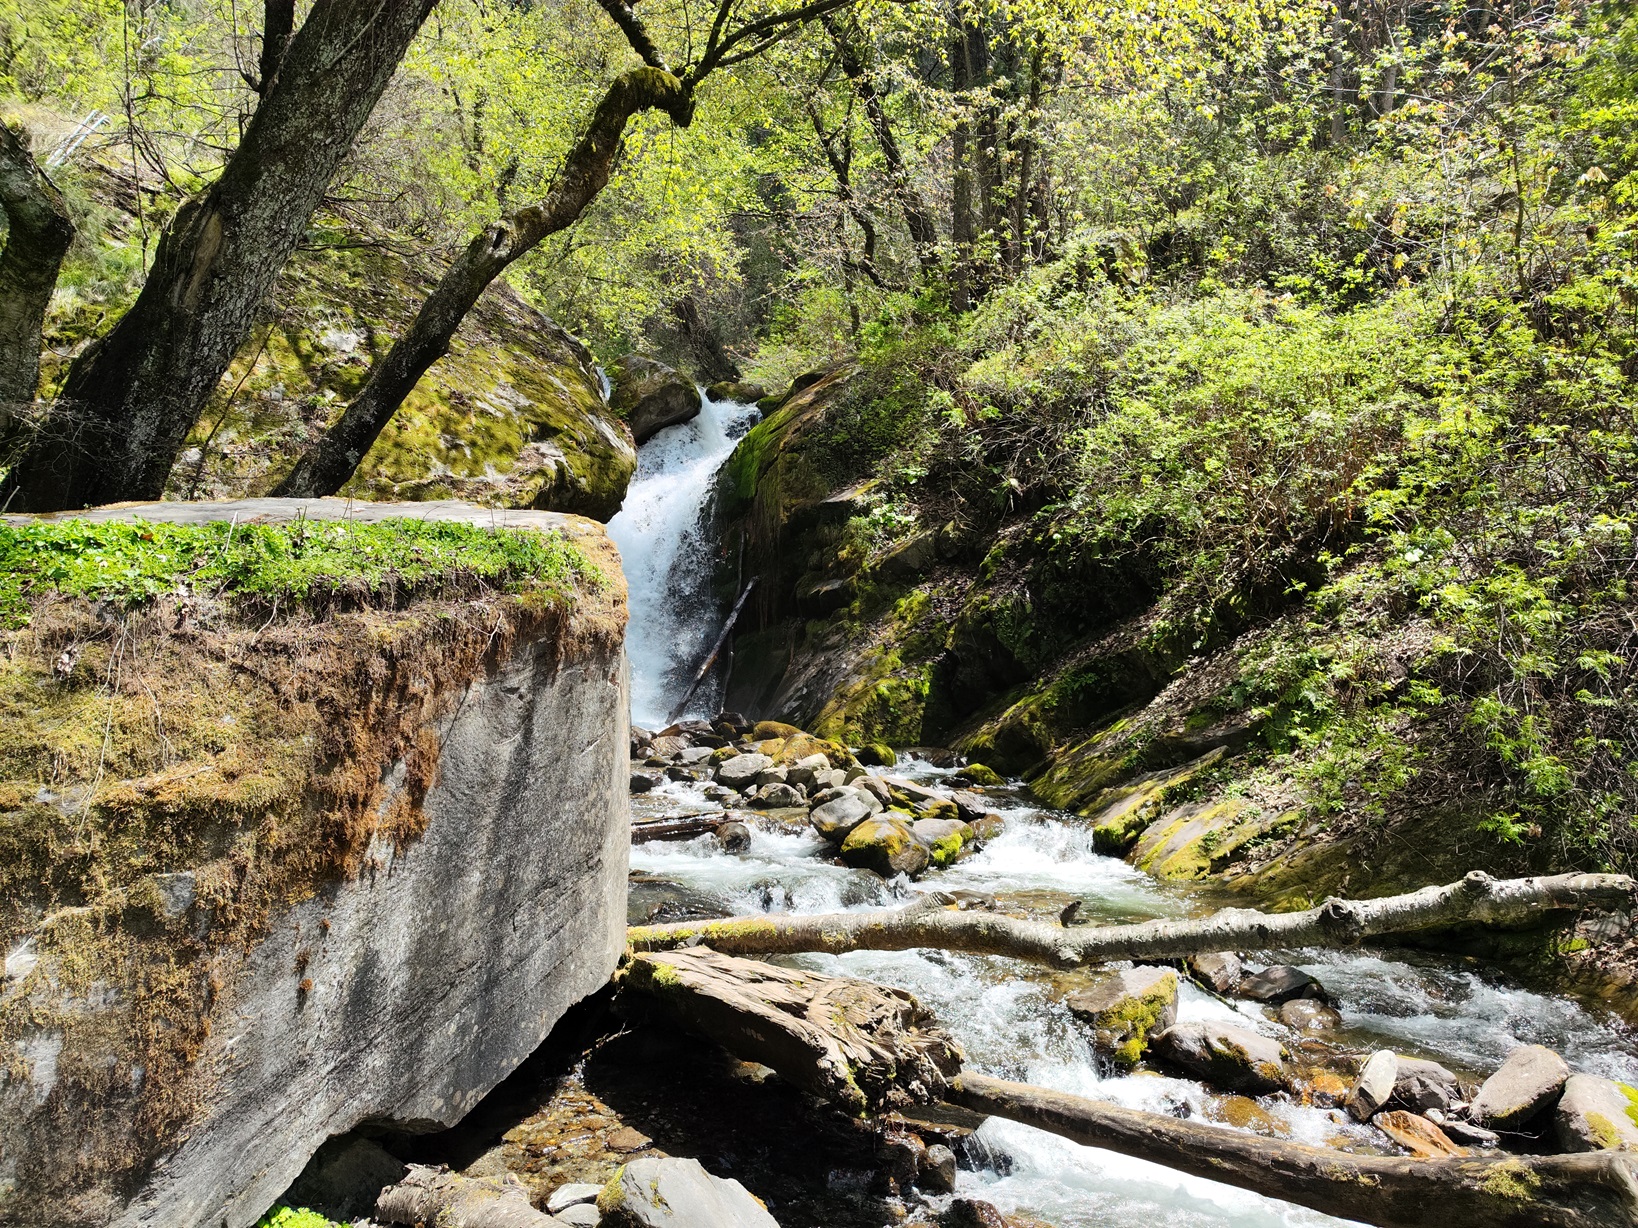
<point x="1477" y="899"/>
<point x="864" y="1047"/>
<point x="39" y="233"/>
<point x="325" y="468"/>
<point x="685" y="828"/>
<point x="433" y="1196"/>
<point x="130" y="400"/>
<point x="1595" y="1190"/>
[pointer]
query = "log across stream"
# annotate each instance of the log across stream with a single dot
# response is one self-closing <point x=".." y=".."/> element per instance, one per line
<point x="1008" y="1016"/>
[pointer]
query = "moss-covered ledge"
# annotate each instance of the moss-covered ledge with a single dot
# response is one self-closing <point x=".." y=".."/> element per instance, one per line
<point x="255" y="757"/>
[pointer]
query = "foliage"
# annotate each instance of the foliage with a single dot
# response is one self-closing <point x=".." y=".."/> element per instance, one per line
<point x="267" y="565"/>
<point x="290" y="1217"/>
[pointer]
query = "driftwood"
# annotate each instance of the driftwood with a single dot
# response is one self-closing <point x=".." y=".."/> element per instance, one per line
<point x="861" y="1046"/>
<point x="435" y="1196"/>
<point x="1592" y="1190"/>
<point x="716" y="651"/>
<point x="1477" y="899"/>
<point x="684" y="828"/>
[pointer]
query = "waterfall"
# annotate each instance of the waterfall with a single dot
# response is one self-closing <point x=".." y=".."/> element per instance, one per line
<point x="670" y="558"/>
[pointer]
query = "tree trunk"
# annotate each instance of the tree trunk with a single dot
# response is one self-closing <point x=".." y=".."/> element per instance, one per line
<point x="714" y="361"/>
<point x="433" y="1196"/>
<point x="1596" y="1190"/>
<point x="684" y="828"/>
<point x="864" y="1047"/>
<point x="39" y="233"/>
<point x="325" y="468"/>
<point x="962" y="229"/>
<point x="130" y="400"/>
<point x="1477" y="899"/>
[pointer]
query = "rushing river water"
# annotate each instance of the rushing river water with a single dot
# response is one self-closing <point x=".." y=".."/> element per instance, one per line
<point x="1008" y="1016"/>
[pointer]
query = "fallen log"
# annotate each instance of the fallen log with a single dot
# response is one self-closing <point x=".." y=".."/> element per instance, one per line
<point x="1589" y="1190"/>
<point x="449" y="1200"/>
<point x="864" y="1047"/>
<point x="686" y="827"/>
<point x="1476" y="899"/>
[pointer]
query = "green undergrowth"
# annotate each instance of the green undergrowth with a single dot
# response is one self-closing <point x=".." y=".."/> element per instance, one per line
<point x="296" y="1217"/>
<point x="301" y="563"/>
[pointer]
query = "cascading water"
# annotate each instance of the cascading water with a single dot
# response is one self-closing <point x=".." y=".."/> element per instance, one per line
<point x="670" y="560"/>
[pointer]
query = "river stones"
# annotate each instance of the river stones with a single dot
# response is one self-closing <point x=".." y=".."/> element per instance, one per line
<point x="1219" y="971"/>
<point x="1529" y="1081"/>
<point x="777" y="796"/>
<point x="741" y="771"/>
<point x="1596" y="1114"/>
<point x="1423" y="1085"/>
<point x="1309" y="1015"/>
<point x="642" y="782"/>
<point x="987" y="826"/>
<point x="971" y="1213"/>
<point x="775" y="775"/>
<point x="1374" y="1086"/>
<point x="1244" y="1113"/>
<point x="944" y="838"/>
<point x="838" y="815"/>
<point x="1417" y="1135"/>
<point x="938" y="1170"/>
<point x="733" y="836"/>
<point x="1280" y="984"/>
<point x="876" y="754"/>
<point x="676" y="1193"/>
<point x="875" y="786"/>
<point x="887" y="846"/>
<point x="1125" y="1008"/>
<point x="574" y="1194"/>
<point x="978" y="774"/>
<point x="804" y="773"/>
<point x="1224" y="1056"/>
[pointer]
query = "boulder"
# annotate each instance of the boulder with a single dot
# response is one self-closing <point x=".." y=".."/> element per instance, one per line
<point x="1422" y="1085"/>
<point x="875" y="786"/>
<point x="651" y="396"/>
<point x="581" y="1215"/>
<point x="776" y="797"/>
<point x="837" y="816"/>
<point x="1224" y="1056"/>
<point x="674" y="1193"/>
<point x="1373" y="1088"/>
<point x="978" y="774"/>
<point x="1125" y="1008"/>
<point x="1219" y="971"/>
<point x="775" y="775"/>
<point x="1280" y="984"/>
<point x="944" y="838"/>
<point x="642" y="782"/>
<point x="1528" y="1083"/>
<point x="740" y="771"/>
<point x="987" y="826"/>
<point x="1417" y="1135"/>
<point x="971" y="1213"/>
<point x="1595" y="1114"/>
<point x="886" y="846"/>
<point x="1464" y="1132"/>
<point x="938" y="1169"/>
<point x="804" y="773"/>
<point x="908" y="559"/>
<point x="766" y="731"/>
<point x="738" y="391"/>
<point x="969" y="806"/>
<point x="733" y="837"/>
<point x="1309" y="1015"/>
<point x="876" y="754"/>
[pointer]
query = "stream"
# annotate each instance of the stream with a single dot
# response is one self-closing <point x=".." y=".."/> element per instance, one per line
<point x="1007" y="1015"/>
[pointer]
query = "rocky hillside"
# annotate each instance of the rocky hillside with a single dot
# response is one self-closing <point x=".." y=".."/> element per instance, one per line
<point x="310" y="814"/>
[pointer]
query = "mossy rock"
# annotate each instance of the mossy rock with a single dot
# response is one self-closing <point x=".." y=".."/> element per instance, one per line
<point x="978" y="774"/>
<point x="764" y="730"/>
<point x="887" y="846"/>
<point x="1203" y="838"/>
<point x="1124" y="1009"/>
<point x="877" y="754"/>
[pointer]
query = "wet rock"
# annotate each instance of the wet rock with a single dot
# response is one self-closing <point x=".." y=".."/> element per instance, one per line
<point x="1422" y="1085"/>
<point x="1219" y="971"/>
<point x="763" y="731"/>
<point x="1528" y="1083"/>
<point x="1244" y="1113"/>
<point x="1373" y="1088"/>
<point x="908" y="559"/>
<point x="775" y="775"/>
<point x="776" y="797"/>
<point x="971" y="1213"/>
<point x="668" y="746"/>
<point x="733" y="837"/>
<point x="1125" y="1008"/>
<point x="741" y="771"/>
<point x="832" y="779"/>
<point x="875" y="786"/>
<point x="1417" y="1135"/>
<point x="684" y="775"/>
<point x="574" y="1194"/>
<point x="696" y="755"/>
<point x="1326" y="1089"/>
<point x="733" y="722"/>
<point x="651" y="396"/>
<point x="836" y="817"/>
<point x="970" y="806"/>
<point x="887" y="846"/>
<point x="939" y="808"/>
<point x="901" y="1155"/>
<point x="978" y="774"/>
<point x="909" y="794"/>
<point x="988" y="826"/>
<point x="938" y="756"/>
<point x="876" y="754"/>
<point x="676" y="1193"/>
<point x="1224" y="1056"/>
<point x="642" y="782"/>
<point x="737" y="391"/>
<point x="1595" y="1114"/>
<point x="944" y="838"/>
<point x="804" y="773"/>
<point x="938" y="1170"/>
<point x="1309" y="1015"/>
<point x="1280" y="984"/>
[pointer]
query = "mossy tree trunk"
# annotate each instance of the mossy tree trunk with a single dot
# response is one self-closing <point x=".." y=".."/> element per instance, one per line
<point x="37" y="239"/>
<point x="131" y="399"/>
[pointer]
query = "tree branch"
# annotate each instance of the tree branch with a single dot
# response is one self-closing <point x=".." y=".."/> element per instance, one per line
<point x="38" y="238"/>
<point x="636" y="33"/>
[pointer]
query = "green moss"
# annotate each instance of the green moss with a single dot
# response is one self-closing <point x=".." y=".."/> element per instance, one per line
<point x="981" y="775"/>
<point x="946" y="849"/>
<point x="1512" y="1180"/>
<point x="1632" y="1102"/>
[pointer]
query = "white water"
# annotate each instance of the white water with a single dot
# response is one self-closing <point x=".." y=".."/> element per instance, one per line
<point x="669" y="557"/>
<point x="1007" y="1017"/>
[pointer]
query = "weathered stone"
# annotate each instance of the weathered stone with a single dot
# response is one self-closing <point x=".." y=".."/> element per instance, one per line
<point x="1595" y="1114"/>
<point x="1529" y="1082"/>
<point x="1219" y="971"/>
<point x="676" y="1193"/>
<point x="876" y="754"/>
<point x="971" y="1213"/>
<point x="1244" y="1113"/>
<point x="1417" y="1135"/>
<point x="1464" y="1132"/>
<point x="768" y="730"/>
<point x="642" y="782"/>
<point x="737" y="391"/>
<point x="1224" y="1056"/>
<point x="740" y="771"/>
<point x="574" y="1194"/>
<point x="987" y="826"/>
<point x="969" y="805"/>
<point x="875" y="786"/>
<point x="938" y="1170"/>
<point x="581" y="1215"/>
<point x="1125" y="1008"/>
<point x="696" y="755"/>
<point x="886" y="846"/>
<point x="733" y="837"/>
<point x="344" y="1178"/>
<point x="835" y="818"/>
<point x="1122" y="813"/>
<point x="775" y="775"/>
<point x="1309" y="1015"/>
<point x="804" y="773"/>
<point x="1422" y="1085"/>
<point x="685" y="775"/>
<point x="776" y="797"/>
<point x="651" y="396"/>
<point x="978" y="774"/>
<point x="944" y="838"/>
<point x="1201" y="838"/>
<point x="1373" y="1087"/>
<point x="1279" y="984"/>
